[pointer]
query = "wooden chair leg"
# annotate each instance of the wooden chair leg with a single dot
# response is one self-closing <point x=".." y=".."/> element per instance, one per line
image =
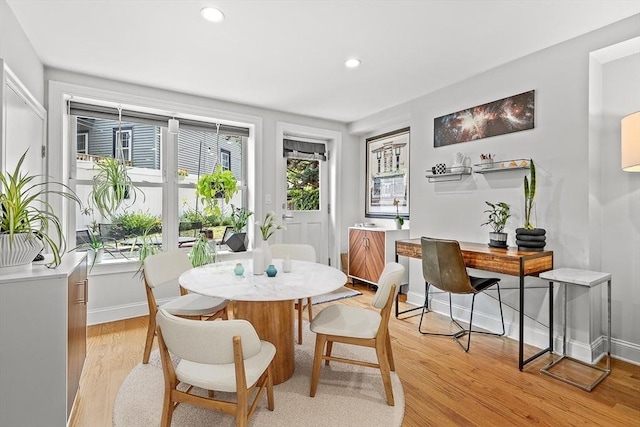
<point x="151" y="333"/>
<point x="167" y="409"/>
<point x="383" y="361"/>
<point x="392" y="364"/>
<point x="328" y="352"/>
<point x="270" y="401"/>
<point x="310" y="309"/>
<point x="317" y="362"/>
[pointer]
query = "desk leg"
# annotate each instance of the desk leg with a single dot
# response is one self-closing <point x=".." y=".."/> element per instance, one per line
<point x="521" y="321"/>
<point x="273" y="321"/>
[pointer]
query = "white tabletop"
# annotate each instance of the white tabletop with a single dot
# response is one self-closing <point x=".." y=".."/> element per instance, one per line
<point x="306" y="279"/>
<point x="576" y="276"/>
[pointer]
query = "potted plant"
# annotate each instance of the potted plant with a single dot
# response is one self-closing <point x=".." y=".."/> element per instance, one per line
<point x="398" y="219"/>
<point x="95" y="247"/>
<point x="498" y="216"/>
<point x="111" y="186"/>
<point x="220" y="184"/>
<point x="530" y="237"/>
<point x="237" y="242"/>
<point x="27" y="219"/>
<point x="201" y="252"/>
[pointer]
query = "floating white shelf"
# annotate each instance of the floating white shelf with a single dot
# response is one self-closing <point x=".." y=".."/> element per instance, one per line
<point x="502" y="166"/>
<point x="449" y="175"/>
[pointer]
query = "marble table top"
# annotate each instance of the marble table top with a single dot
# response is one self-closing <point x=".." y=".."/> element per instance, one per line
<point x="306" y="279"/>
<point x="576" y="276"/>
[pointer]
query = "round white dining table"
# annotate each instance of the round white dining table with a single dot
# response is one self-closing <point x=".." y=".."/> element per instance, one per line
<point x="266" y="302"/>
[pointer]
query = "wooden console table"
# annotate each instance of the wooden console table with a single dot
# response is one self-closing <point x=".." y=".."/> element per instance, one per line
<point x="509" y="261"/>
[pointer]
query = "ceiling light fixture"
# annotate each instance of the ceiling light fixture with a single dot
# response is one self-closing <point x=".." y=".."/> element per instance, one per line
<point x="352" y="63"/>
<point x="212" y="14"/>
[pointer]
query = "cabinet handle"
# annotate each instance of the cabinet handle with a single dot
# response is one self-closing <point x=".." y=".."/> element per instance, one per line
<point x="86" y="291"/>
<point x="84" y="285"/>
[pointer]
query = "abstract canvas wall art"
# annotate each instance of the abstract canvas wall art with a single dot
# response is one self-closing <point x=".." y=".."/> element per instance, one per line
<point x="512" y="114"/>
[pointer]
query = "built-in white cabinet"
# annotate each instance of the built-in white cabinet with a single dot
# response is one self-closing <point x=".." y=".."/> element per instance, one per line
<point x="370" y="249"/>
<point x="43" y="331"/>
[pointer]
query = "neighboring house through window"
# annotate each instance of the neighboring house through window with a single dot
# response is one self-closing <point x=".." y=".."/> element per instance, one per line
<point x="82" y="143"/>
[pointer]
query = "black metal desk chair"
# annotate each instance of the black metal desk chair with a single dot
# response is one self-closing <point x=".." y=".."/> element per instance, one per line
<point x="443" y="267"/>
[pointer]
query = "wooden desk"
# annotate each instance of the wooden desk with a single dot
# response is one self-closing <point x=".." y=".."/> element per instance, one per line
<point x="509" y="261"/>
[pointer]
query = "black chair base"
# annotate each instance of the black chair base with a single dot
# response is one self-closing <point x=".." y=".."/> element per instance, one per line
<point x="484" y="284"/>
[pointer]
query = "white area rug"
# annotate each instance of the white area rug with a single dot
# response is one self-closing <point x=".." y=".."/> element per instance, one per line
<point x="341" y="293"/>
<point x="347" y="395"/>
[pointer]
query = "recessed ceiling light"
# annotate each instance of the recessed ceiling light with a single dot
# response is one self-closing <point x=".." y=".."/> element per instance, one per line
<point x="212" y="14"/>
<point x="352" y="63"/>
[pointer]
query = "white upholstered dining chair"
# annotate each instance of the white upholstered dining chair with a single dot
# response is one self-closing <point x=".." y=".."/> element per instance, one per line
<point x="164" y="269"/>
<point x="359" y="326"/>
<point x="224" y="356"/>
<point x="298" y="252"/>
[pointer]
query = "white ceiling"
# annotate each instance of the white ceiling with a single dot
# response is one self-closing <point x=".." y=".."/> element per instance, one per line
<point x="289" y="55"/>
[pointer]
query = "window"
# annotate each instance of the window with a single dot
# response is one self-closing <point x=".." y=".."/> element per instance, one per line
<point x="141" y="214"/>
<point x="82" y="143"/>
<point x="123" y="142"/>
<point x="225" y="159"/>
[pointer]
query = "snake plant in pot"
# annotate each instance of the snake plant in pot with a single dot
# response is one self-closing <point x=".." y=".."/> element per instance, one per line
<point x="28" y="222"/>
<point x="529" y="237"/>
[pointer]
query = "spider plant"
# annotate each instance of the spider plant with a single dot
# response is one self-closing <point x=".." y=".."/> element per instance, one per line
<point x="95" y="244"/>
<point x="111" y="186"/>
<point x="201" y="252"/>
<point x="25" y="209"/>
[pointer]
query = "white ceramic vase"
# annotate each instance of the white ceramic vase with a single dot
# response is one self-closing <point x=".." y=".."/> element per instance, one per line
<point x="266" y="253"/>
<point x="21" y="251"/>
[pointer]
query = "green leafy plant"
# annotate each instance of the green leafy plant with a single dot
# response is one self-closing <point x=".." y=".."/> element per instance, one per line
<point x="144" y="246"/>
<point x="139" y="223"/>
<point x="111" y="187"/>
<point x="24" y="208"/>
<point x="498" y="216"/>
<point x="201" y="252"/>
<point x="239" y="218"/>
<point x="529" y="196"/>
<point x="269" y="226"/>
<point x="220" y="184"/>
<point x="95" y="243"/>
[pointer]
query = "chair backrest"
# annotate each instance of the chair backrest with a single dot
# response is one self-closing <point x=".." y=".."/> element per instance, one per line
<point x="443" y="266"/>
<point x="165" y="267"/>
<point x="83" y="237"/>
<point x="300" y="252"/>
<point x="207" y="342"/>
<point x="391" y="275"/>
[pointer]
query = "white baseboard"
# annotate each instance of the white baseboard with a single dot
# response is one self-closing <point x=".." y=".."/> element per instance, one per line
<point x="120" y="312"/>
<point x="537" y="335"/>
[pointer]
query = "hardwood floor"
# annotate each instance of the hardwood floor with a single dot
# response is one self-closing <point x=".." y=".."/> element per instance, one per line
<point x="443" y="385"/>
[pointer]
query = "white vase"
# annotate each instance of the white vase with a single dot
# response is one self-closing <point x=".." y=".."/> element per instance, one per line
<point x="258" y="261"/>
<point x="94" y="256"/>
<point x="266" y="253"/>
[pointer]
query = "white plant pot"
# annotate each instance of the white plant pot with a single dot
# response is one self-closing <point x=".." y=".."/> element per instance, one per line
<point x="95" y="256"/>
<point x="21" y="251"/>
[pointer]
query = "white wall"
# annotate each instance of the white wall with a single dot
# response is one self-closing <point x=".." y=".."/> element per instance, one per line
<point x="559" y="144"/>
<point x="620" y="202"/>
<point x="16" y="50"/>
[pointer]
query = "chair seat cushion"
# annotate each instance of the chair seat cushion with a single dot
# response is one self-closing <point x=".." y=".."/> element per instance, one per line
<point x="482" y="283"/>
<point x="346" y="321"/>
<point x="223" y="377"/>
<point x="194" y="305"/>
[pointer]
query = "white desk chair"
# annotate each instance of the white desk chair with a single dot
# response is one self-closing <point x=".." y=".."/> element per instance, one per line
<point x="163" y="269"/>
<point x="224" y="356"/>
<point x="299" y="252"/>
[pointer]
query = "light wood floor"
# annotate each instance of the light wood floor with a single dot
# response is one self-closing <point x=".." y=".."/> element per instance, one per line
<point x="443" y="385"/>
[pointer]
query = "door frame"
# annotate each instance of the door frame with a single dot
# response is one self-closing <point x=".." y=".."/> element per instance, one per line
<point x="334" y="145"/>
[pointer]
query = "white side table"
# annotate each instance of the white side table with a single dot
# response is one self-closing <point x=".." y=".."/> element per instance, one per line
<point x="572" y="276"/>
